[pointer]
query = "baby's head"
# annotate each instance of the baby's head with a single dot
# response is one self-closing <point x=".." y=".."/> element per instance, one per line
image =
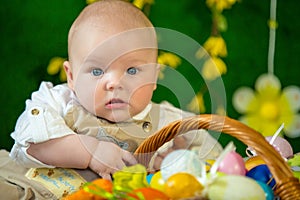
<point x="112" y="59"/>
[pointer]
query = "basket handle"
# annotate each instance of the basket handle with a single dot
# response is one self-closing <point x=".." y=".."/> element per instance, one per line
<point x="277" y="165"/>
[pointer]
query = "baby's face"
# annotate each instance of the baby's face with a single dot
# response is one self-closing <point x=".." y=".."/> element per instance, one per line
<point x="114" y="75"/>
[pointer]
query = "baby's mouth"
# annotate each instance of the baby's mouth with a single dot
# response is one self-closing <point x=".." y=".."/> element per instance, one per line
<point x="115" y="104"/>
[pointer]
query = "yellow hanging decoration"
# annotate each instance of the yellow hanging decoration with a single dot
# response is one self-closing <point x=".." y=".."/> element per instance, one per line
<point x="141" y="3"/>
<point x="215" y="47"/>
<point x="55" y="66"/>
<point x="220" y="5"/>
<point x="167" y="59"/>
<point x="197" y="104"/>
<point x="272" y="24"/>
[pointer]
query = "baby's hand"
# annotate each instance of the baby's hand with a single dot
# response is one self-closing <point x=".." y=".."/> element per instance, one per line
<point x="108" y="158"/>
<point x="199" y="141"/>
<point x="179" y="142"/>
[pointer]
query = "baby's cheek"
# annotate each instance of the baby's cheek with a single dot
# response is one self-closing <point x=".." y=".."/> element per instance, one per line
<point x="85" y="91"/>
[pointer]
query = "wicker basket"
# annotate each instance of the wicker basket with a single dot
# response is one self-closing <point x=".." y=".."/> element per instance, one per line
<point x="287" y="186"/>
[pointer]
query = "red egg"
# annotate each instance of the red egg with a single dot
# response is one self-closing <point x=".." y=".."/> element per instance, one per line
<point x="232" y="163"/>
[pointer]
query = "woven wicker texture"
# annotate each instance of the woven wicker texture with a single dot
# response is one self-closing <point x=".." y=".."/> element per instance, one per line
<point x="287" y="186"/>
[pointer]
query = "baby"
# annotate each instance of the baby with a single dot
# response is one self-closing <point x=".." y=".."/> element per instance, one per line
<point x="104" y="112"/>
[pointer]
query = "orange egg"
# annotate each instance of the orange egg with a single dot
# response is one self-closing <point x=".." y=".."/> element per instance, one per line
<point x="183" y="185"/>
<point x="85" y="195"/>
<point x="79" y="195"/>
<point x="148" y="194"/>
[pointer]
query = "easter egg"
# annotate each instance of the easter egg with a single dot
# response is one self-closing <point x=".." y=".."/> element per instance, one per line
<point x="157" y="181"/>
<point x="183" y="185"/>
<point x="263" y="174"/>
<point x="232" y="187"/>
<point x="267" y="189"/>
<point x="149" y="178"/>
<point x="181" y="161"/>
<point x="102" y="186"/>
<point x="232" y="163"/>
<point x="208" y="164"/>
<point x="148" y="193"/>
<point x="282" y="146"/>
<point x="253" y="162"/>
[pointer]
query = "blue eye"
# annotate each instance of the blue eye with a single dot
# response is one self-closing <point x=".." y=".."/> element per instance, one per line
<point x="97" y="72"/>
<point x="132" y="70"/>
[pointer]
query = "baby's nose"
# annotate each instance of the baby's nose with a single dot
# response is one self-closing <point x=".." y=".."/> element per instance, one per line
<point x="114" y="82"/>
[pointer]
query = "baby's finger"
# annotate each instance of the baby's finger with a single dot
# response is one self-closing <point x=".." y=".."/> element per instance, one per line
<point x="180" y="143"/>
<point x="157" y="162"/>
<point x="105" y="175"/>
<point x="120" y="165"/>
<point x="128" y="158"/>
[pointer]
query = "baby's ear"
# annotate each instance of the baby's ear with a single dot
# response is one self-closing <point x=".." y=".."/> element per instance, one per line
<point x="158" y="67"/>
<point x="68" y="70"/>
<point x="156" y="75"/>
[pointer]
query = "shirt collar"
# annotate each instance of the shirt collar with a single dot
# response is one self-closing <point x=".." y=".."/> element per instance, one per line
<point x="142" y="115"/>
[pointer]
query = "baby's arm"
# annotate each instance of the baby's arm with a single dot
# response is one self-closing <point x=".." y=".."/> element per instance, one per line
<point x="43" y="139"/>
<point x="67" y="151"/>
<point x="81" y="151"/>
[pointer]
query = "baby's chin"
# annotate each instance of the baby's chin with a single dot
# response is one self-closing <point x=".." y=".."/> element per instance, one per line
<point x="116" y="117"/>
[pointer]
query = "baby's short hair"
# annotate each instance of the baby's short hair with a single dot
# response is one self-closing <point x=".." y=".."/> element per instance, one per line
<point x="114" y="11"/>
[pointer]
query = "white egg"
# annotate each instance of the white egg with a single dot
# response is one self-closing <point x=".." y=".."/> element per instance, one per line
<point x="181" y="161"/>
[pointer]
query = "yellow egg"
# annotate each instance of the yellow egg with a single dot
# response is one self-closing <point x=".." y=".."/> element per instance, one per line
<point x="157" y="182"/>
<point x="253" y="162"/>
<point x="208" y="164"/>
<point x="183" y="185"/>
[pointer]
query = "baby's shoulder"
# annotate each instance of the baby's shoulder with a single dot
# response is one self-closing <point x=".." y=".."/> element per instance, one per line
<point x="49" y="91"/>
<point x="168" y="108"/>
<point x="56" y="96"/>
<point x="60" y="89"/>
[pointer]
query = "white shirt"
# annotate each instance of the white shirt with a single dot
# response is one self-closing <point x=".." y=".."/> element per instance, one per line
<point x="44" y="119"/>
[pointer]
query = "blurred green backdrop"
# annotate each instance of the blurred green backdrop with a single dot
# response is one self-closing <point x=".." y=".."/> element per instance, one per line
<point x="32" y="32"/>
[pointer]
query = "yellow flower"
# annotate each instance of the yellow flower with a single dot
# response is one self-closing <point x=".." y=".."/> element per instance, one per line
<point x="220" y="5"/>
<point x="141" y="3"/>
<point x="167" y="59"/>
<point x="215" y="46"/>
<point x="91" y="1"/>
<point x="268" y="107"/>
<point x="55" y="66"/>
<point x="197" y="104"/>
<point x="213" y="68"/>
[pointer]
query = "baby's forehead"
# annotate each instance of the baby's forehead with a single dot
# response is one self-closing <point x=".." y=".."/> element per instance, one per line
<point x="94" y="40"/>
<point x="115" y="45"/>
<point x="110" y="26"/>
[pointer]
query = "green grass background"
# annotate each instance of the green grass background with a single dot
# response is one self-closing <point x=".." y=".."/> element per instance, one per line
<point x="32" y="32"/>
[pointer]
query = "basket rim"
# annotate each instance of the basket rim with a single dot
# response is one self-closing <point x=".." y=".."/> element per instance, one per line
<point x="223" y="124"/>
